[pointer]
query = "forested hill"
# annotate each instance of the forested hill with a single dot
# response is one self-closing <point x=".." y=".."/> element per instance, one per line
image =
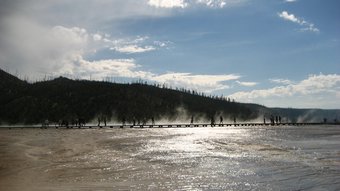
<point x="65" y="99"/>
<point x="62" y="98"/>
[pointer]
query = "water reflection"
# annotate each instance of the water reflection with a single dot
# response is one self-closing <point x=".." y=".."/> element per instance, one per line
<point x="262" y="158"/>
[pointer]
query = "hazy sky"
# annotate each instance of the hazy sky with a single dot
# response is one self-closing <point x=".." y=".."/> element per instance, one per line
<point x="279" y="53"/>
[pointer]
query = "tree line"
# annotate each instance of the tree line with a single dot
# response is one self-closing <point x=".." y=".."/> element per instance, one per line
<point x="66" y="99"/>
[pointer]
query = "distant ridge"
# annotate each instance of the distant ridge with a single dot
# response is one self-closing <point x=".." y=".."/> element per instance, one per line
<point x="63" y="98"/>
<point x="66" y="99"/>
<point x="7" y="80"/>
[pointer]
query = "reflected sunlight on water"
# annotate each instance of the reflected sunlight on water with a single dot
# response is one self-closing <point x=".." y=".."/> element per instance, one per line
<point x="264" y="158"/>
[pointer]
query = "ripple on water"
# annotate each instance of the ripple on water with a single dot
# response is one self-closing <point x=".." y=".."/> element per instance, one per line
<point x="172" y="159"/>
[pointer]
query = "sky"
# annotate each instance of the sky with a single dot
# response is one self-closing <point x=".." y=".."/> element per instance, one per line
<point x="278" y="53"/>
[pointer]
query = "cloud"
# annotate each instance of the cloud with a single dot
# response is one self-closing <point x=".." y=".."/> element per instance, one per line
<point x="60" y="50"/>
<point x="291" y="17"/>
<point x="290" y="1"/>
<point x="97" y="37"/>
<point x="205" y="83"/>
<point x="39" y="50"/>
<point x="281" y="81"/>
<point x="162" y="44"/>
<point x="247" y="84"/>
<point x="133" y="49"/>
<point x="36" y="50"/>
<point x="315" y="91"/>
<point x="35" y="41"/>
<point x="99" y="69"/>
<point x="139" y="44"/>
<point x="191" y="3"/>
<point x="129" y="69"/>
<point x="79" y="13"/>
<point x="213" y="3"/>
<point x="219" y="3"/>
<point x="167" y="3"/>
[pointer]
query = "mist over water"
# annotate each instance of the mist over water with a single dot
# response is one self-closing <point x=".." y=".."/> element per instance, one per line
<point x="226" y="158"/>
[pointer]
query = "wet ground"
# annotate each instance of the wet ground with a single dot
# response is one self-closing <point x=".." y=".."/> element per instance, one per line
<point x="228" y="158"/>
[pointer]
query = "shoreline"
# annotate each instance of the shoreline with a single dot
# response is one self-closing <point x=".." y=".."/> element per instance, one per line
<point x="165" y="125"/>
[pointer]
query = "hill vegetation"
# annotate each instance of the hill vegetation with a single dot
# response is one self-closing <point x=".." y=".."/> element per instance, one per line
<point x="66" y="99"/>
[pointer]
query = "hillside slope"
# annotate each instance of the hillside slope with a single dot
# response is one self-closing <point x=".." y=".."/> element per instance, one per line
<point x="63" y="98"/>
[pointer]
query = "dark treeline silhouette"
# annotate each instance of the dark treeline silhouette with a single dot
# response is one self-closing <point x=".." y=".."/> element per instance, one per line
<point x="71" y="101"/>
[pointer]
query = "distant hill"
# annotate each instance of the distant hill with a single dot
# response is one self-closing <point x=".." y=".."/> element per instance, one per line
<point x="65" y="99"/>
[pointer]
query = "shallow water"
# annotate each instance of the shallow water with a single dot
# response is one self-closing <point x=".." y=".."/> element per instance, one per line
<point x="259" y="158"/>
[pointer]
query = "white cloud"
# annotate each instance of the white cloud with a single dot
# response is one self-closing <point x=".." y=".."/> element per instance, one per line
<point x="219" y="3"/>
<point x="291" y="17"/>
<point x="167" y="3"/>
<point x="41" y="50"/>
<point x="129" y="49"/>
<point x="314" y="91"/>
<point x="35" y="50"/>
<point x="62" y="51"/>
<point x="139" y="44"/>
<point x="281" y="81"/>
<point x="162" y="44"/>
<point x="205" y="83"/>
<point x="97" y="37"/>
<point x="310" y="27"/>
<point x="99" y="69"/>
<point x="247" y="84"/>
<point x="31" y="44"/>
<point x="213" y="3"/>
<point x="290" y="1"/>
<point x="191" y="3"/>
<point x="127" y="68"/>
